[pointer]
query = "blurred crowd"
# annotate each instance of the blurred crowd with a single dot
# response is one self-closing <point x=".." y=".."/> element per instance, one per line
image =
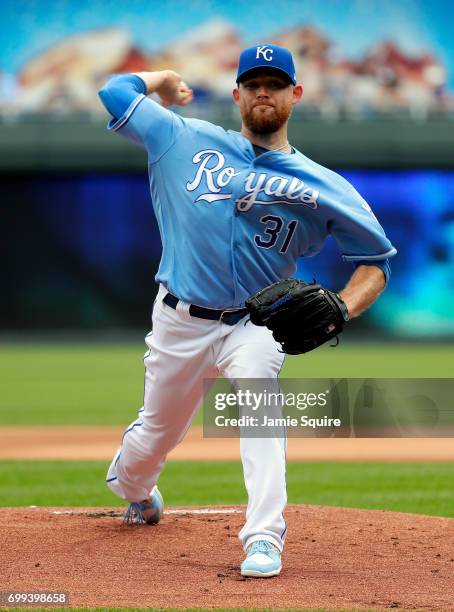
<point x="65" y="78"/>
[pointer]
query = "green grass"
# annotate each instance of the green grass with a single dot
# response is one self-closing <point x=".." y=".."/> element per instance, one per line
<point x="102" y="383"/>
<point x="72" y="384"/>
<point x="414" y="487"/>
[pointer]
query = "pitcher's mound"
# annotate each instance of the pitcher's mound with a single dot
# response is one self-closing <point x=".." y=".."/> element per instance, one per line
<point x="335" y="558"/>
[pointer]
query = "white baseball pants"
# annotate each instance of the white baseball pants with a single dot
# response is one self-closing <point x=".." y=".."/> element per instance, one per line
<point x="183" y="351"/>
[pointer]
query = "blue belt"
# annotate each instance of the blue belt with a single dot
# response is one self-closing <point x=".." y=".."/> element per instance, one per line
<point x="229" y="317"/>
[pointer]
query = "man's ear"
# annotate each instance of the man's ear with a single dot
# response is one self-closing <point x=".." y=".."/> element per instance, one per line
<point x="236" y="95"/>
<point x="297" y="93"/>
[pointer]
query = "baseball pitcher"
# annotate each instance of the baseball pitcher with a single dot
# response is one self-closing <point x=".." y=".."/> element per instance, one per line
<point x="235" y="212"/>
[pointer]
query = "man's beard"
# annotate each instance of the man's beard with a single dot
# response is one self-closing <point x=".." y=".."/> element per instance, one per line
<point x="266" y="123"/>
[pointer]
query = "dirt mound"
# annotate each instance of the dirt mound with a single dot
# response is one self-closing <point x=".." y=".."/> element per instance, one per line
<point x="335" y="558"/>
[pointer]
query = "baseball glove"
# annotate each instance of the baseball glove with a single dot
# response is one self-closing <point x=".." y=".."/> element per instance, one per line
<point x="301" y="316"/>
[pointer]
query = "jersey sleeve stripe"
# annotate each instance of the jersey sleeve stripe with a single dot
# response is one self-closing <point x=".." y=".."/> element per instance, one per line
<point x="389" y="253"/>
<point x="116" y="124"/>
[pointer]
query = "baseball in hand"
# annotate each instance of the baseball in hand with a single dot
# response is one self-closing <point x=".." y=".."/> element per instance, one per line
<point x="185" y="94"/>
<point x="174" y="90"/>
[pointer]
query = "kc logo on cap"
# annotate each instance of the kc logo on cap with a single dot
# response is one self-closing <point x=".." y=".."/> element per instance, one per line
<point x="265" y="52"/>
<point x="266" y="56"/>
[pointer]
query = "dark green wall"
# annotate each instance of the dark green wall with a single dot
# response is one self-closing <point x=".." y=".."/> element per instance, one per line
<point x="86" y="145"/>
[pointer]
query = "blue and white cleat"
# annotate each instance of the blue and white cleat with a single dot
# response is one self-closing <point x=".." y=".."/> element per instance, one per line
<point x="147" y="512"/>
<point x="263" y="560"/>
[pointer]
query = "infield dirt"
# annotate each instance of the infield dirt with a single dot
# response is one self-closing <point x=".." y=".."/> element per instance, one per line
<point x="97" y="442"/>
<point x="334" y="559"/>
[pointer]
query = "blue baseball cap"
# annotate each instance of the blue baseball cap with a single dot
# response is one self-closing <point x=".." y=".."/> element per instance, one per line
<point x="266" y="56"/>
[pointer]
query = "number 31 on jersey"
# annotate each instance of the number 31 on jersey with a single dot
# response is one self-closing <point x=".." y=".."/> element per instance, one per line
<point x="271" y="233"/>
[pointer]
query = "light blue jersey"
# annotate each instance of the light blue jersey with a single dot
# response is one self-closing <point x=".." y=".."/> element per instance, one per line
<point x="232" y="222"/>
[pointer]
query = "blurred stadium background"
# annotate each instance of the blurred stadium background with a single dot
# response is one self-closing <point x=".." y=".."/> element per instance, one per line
<point x="78" y="230"/>
<point x="79" y="242"/>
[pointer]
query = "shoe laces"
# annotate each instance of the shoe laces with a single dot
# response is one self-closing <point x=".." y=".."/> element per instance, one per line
<point x="134" y="513"/>
<point x="261" y="546"/>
